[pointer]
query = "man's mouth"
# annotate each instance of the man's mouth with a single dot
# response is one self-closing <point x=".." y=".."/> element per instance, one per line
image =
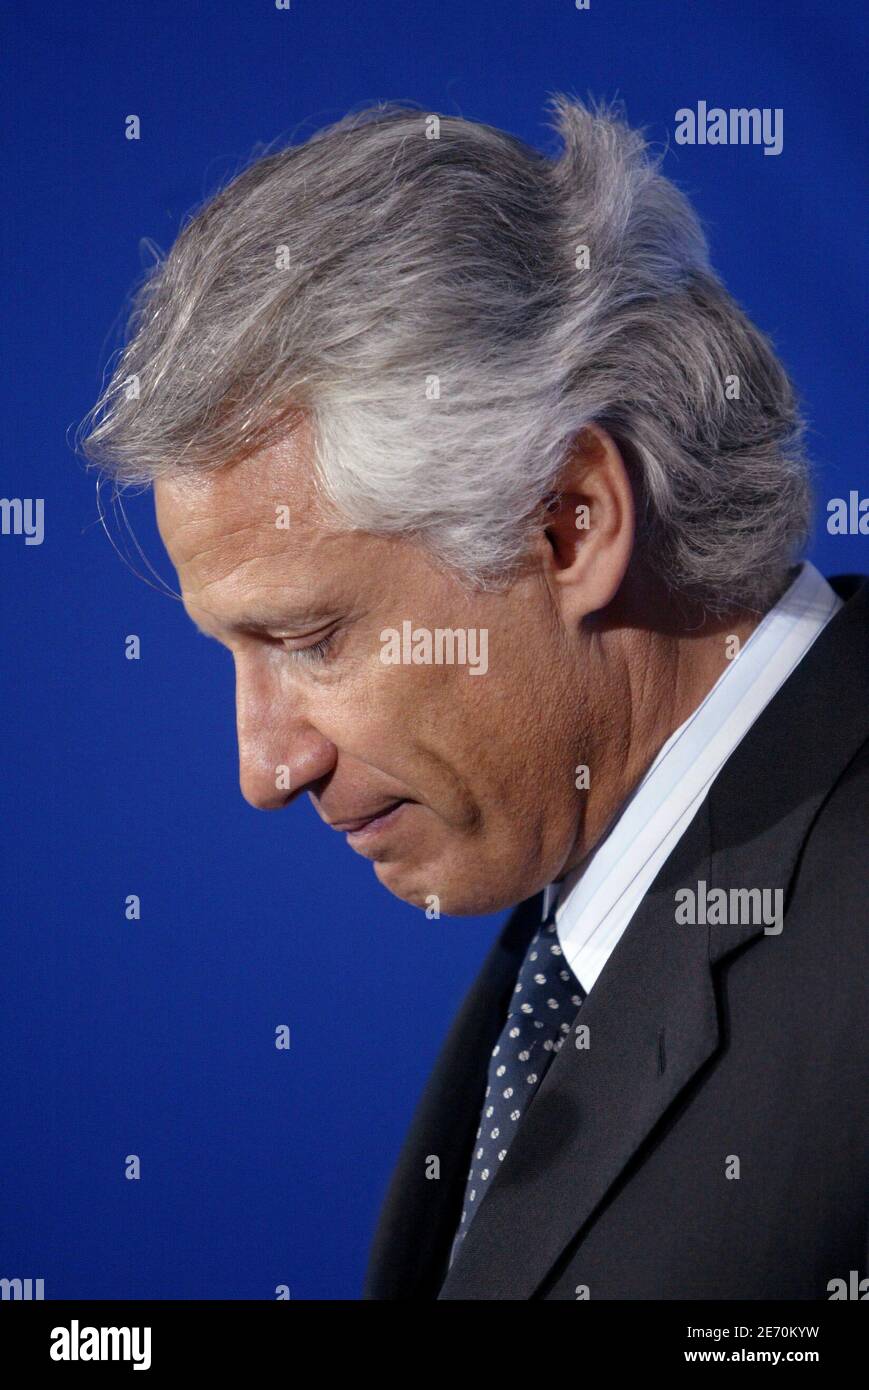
<point x="367" y="825"/>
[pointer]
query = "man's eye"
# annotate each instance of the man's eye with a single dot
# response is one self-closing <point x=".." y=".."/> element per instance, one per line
<point x="313" y="653"/>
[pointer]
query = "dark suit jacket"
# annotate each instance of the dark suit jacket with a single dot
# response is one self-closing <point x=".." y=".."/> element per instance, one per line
<point x="707" y="1043"/>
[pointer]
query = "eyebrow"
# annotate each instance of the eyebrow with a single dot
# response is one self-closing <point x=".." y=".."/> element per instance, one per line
<point x="307" y="622"/>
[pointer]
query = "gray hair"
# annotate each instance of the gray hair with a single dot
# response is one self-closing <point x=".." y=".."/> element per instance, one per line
<point x="416" y="285"/>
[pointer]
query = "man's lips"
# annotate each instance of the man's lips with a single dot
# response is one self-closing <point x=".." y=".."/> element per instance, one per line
<point x="373" y="818"/>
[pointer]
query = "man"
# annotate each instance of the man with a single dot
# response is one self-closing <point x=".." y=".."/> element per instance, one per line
<point x="495" y="496"/>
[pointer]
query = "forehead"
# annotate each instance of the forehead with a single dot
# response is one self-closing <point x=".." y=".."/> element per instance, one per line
<point x="201" y="512"/>
<point x="253" y="528"/>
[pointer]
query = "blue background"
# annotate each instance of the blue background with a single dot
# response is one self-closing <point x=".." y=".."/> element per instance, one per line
<point x="156" y="1037"/>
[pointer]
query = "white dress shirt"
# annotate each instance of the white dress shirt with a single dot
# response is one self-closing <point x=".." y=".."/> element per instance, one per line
<point x="595" y="903"/>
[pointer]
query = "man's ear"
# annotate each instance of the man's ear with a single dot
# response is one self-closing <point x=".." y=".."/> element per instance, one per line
<point x="589" y="523"/>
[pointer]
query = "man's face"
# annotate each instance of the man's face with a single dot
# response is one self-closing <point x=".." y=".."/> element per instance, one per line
<point x="470" y="778"/>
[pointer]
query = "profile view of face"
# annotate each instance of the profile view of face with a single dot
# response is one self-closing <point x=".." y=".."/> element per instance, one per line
<point x="451" y="781"/>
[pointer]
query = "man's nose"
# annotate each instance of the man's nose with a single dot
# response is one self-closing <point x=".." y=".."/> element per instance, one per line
<point x="280" y="752"/>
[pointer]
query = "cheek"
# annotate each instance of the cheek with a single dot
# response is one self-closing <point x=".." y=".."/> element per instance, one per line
<point x="529" y="743"/>
<point x="496" y="739"/>
<point x="423" y="727"/>
<point x="374" y="714"/>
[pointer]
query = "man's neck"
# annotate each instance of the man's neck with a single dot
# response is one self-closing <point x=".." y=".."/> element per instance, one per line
<point x="664" y="678"/>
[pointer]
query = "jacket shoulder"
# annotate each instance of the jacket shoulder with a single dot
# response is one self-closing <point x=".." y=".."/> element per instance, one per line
<point x="830" y="883"/>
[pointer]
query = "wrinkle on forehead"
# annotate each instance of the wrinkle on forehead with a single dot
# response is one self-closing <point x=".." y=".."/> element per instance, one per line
<point x="218" y="523"/>
<point x="237" y="568"/>
<point x="232" y="559"/>
<point x="199" y="513"/>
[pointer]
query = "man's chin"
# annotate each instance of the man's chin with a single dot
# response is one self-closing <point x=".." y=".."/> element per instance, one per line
<point x="438" y="894"/>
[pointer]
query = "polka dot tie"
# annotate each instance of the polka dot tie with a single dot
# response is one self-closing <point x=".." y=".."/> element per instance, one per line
<point x="544" y="1003"/>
